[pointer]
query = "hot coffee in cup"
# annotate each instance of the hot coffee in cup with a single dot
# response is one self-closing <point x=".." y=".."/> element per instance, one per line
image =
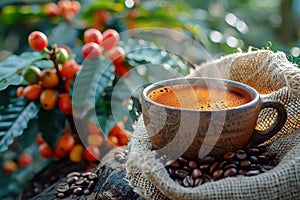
<point x="195" y="117"/>
<point x="197" y="97"/>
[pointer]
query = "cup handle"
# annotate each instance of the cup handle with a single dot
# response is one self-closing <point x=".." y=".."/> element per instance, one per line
<point x="259" y="136"/>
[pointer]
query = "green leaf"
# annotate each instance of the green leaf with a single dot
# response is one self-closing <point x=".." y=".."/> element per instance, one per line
<point x="10" y="68"/>
<point x="51" y="124"/>
<point x="90" y="83"/>
<point x="14" y="120"/>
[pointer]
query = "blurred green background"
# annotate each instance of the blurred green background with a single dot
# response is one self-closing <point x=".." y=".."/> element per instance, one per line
<point x="223" y="26"/>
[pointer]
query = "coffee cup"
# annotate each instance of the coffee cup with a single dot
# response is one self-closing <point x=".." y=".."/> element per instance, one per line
<point x="195" y="117"/>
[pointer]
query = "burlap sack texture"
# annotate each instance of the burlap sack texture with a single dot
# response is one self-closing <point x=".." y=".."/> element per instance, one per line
<point x="274" y="77"/>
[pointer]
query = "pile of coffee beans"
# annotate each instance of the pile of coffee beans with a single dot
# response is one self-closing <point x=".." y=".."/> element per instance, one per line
<point x="243" y="162"/>
<point x="77" y="183"/>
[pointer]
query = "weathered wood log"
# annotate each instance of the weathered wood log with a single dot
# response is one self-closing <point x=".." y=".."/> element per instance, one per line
<point x="111" y="183"/>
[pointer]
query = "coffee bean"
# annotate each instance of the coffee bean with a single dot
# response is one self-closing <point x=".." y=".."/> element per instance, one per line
<point x="231" y="165"/>
<point x="270" y="154"/>
<point x="193" y="164"/>
<point x="229" y="155"/>
<point x="213" y="167"/>
<point x="230" y="172"/>
<point x="73" y="174"/>
<point x="198" y="181"/>
<point x="208" y="159"/>
<point x="254" y="166"/>
<point x="245" y="164"/>
<point x="187" y="168"/>
<point x="218" y="174"/>
<point x="72" y="179"/>
<point x="78" y="191"/>
<point x="171" y="172"/>
<point x="252" y="172"/>
<point x="63" y="187"/>
<point x="253" y="159"/>
<point x="61" y="195"/>
<point x="204" y="168"/>
<point x="266" y="168"/>
<point x="80" y="181"/>
<point x="253" y="151"/>
<point x="92" y="176"/>
<point x="263" y="159"/>
<point x="196" y="173"/>
<point x="241" y="154"/>
<point x="183" y="161"/>
<point x="222" y="164"/>
<point x="188" y="181"/>
<point x="86" y="192"/>
<point x="86" y="174"/>
<point x="73" y="186"/>
<point x="243" y="172"/>
<point x="181" y="173"/>
<point x="173" y="164"/>
<point x="91" y="185"/>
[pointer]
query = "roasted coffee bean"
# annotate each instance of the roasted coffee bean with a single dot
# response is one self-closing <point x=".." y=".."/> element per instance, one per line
<point x="198" y="181"/>
<point x="193" y="164"/>
<point x="73" y="186"/>
<point x="86" y="192"/>
<point x="253" y="151"/>
<point x="229" y="155"/>
<point x="263" y="159"/>
<point x="61" y="195"/>
<point x="253" y="159"/>
<point x="252" y="172"/>
<point x="231" y="165"/>
<point x="207" y="178"/>
<point x="78" y="191"/>
<point x="242" y="172"/>
<point x="204" y="168"/>
<point x="196" y="173"/>
<point x="72" y="179"/>
<point x="241" y="154"/>
<point x="270" y="154"/>
<point x="230" y="172"/>
<point x="171" y="172"/>
<point x="63" y="187"/>
<point x="222" y="164"/>
<point x="187" y="168"/>
<point x="73" y="174"/>
<point x="265" y="168"/>
<point x="181" y="173"/>
<point x="245" y="164"/>
<point x="80" y="181"/>
<point x="91" y="185"/>
<point x="92" y="176"/>
<point x="218" y="174"/>
<point x="213" y="167"/>
<point x="188" y="181"/>
<point x="183" y="161"/>
<point x="86" y="174"/>
<point x="254" y="166"/>
<point x="173" y="164"/>
<point x="208" y="159"/>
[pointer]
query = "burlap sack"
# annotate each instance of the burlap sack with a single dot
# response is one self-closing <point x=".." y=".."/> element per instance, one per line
<point x="275" y="78"/>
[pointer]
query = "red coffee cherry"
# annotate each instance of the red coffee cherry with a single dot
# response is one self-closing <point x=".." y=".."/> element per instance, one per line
<point x="91" y="50"/>
<point x="37" y="40"/>
<point x="110" y="39"/>
<point x="93" y="35"/>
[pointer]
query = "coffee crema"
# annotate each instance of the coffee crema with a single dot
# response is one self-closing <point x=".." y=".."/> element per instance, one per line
<point x="195" y="97"/>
